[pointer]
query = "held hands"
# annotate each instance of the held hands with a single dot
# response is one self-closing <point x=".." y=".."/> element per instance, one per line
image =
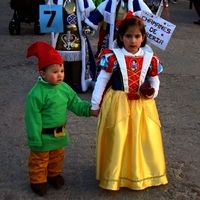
<point x="94" y="113"/>
<point x="147" y="91"/>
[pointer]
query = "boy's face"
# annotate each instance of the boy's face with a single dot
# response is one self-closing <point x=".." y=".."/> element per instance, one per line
<point x="53" y="74"/>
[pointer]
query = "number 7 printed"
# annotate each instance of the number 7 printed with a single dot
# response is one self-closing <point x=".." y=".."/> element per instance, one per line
<point x="51" y="18"/>
<point x="53" y="14"/>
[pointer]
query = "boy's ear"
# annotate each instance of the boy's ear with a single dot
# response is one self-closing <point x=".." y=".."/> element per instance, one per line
<point x="42" y="74"/>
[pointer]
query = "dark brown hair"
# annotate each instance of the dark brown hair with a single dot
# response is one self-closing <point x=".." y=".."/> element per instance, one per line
<point x="136" y="21"/>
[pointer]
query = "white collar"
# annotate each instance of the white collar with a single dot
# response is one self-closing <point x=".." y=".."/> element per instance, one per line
<point x="42" y="80"/>
<point x="139" y="53"/>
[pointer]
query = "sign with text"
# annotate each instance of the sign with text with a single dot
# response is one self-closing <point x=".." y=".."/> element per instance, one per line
<point x="159" y="31"/>
<point x="51" y="18"/>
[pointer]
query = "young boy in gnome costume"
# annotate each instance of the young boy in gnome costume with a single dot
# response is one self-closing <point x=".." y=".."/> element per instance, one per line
<point x="74" y="46"/>
<point x="111" y="11"/>
<point x="46" y="116"/>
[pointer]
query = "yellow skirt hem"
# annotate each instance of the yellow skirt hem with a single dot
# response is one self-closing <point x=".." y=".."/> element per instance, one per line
<point x="133" y="185"/>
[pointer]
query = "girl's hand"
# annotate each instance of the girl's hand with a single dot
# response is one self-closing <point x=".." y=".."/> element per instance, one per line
<point x="94" y="113"/>
<point x="147" y="91"/>
<point x="149" y="97"/>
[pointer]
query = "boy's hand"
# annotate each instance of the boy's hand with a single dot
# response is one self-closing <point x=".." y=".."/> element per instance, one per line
<point x="94" y="113"/>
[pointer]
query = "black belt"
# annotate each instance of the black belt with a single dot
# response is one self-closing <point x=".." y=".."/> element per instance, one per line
<point x="51" y="130"/>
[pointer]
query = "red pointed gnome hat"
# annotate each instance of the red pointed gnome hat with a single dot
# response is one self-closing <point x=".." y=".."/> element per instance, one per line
<point x="45" y="53"/>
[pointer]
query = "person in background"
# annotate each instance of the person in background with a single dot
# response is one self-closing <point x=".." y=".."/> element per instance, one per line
<point x="97" y="2"/>
<point x="74" y="46"/>
<point x="154" y="4"/>
<point x="46" y="116"/>
<point x="129" y="142"/>
<point x="109" y="12"/>
<point x="196" y="4"/>
<point x="174" y="1"/>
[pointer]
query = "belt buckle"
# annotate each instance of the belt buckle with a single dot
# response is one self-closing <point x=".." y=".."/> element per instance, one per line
<point x="61" y="133"/>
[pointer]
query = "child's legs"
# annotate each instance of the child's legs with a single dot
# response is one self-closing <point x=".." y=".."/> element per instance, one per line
<point x="196" y="4"/>
<point x="73" y="72"/>
<point x="156" y="3"/>
<point x="56" y="158"/>
<point x="37" y="166"/>
<point x="149" y="2"/>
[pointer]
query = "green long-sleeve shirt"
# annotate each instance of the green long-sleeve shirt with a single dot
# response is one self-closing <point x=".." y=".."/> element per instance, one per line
<point x="46" y="107"/>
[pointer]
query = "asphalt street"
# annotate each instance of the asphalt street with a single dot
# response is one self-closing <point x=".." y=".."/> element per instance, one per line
<point x="178" y="104"/>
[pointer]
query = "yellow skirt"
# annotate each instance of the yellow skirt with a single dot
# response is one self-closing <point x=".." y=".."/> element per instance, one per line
<point x="129" y="143"/>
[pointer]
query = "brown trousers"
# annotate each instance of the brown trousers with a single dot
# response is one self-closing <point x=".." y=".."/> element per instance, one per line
<point x="45" y="164"/>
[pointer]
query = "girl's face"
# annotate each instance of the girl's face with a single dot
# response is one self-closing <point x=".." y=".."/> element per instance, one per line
<point x="53" y="74"/>
<point x="132" y="39"/>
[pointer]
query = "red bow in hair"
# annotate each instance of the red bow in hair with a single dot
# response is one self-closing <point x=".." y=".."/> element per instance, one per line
<point x="129" y="15"/>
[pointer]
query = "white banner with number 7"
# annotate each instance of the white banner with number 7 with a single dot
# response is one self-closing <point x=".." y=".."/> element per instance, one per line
<point x="51" y="18"/>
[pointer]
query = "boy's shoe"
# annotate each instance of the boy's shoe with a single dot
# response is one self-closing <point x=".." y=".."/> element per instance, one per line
<point x="39" y="188"/>
<point x="56" y="181"/>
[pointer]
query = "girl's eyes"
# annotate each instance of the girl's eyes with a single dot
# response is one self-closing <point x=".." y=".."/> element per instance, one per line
<point x="134" y="36"/>
<point x="128" y="36"/>
<point x="137" y="36"/>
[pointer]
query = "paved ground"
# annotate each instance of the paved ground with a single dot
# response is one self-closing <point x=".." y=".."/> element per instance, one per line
<point x="178" y="104"/>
